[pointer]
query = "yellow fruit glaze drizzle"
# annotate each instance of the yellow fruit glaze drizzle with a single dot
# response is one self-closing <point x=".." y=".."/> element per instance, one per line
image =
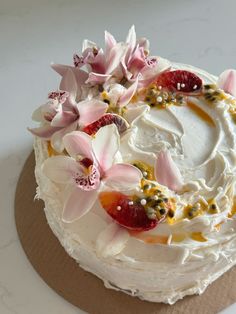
<point x="201" y="113"/>
<point x="51" y="151"/>
<point x="197" y="236"/>
<point x="146" y="169"/>
<point x="149" y="238"/>
<point x="233" y="209"/>
<point x="164" y="239"/>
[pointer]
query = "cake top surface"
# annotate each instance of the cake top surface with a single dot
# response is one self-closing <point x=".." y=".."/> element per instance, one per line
<point x="143" y="144"/>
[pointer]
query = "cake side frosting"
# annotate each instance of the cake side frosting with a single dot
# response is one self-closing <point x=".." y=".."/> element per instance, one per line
<point x="148" y="280"/>
<point x="194" y="241"/>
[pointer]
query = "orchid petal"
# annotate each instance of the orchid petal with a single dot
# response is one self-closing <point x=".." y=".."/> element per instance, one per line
<point x="69" y="84"/>
<point x="110" y="42"/>
<point x="127" y="74"/>
<point x="167" y="173"/>
<point x="81" y="76"/>
<point x="115" y="57"/>
<point x="44" y="132"/>
<point x="60" y="68"/>
<point x="131" y="38"/>
<point x="96" y="61"/>
<point x="105" y="145"/>
<point x="97" y="78"/>
<point x="132" y="113"/>
<point x="227" y="81"/>
<point x="56" y="139"/>
<point x="88" y="44"/>
<point x="50" y="109"/>
<point x="98" y="64"/>
<point x="144" y="43"/>
<point x="63" y="118"/>
<point x="112" y="240"/>
<point x="91" y="110"/>
<point x="123" y="177"/>
<point x="60" y="168"/>
<point x="137" y="61"/>
<point x="69" y="105"/>
<point x="114" y="91"/>
<point x="37" y="115"/>
<point x="78" y="143"/>
<point x="128" y="94"/>
<point x="78" y="203"/>
<point x="149" y="73"/>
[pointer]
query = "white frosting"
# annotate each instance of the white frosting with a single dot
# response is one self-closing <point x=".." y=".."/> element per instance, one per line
<point x="206" y="157"/>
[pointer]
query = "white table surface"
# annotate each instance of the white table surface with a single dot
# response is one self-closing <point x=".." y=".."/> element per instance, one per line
<point x="34" y="33"/>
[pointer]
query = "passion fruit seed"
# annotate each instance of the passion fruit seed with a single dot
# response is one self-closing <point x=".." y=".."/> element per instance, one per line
<point x="209" y="86"/>
<point x="192" y="211"/>
<point x="147" y="187"/>
<point x="162" y="211"/>
<point x="161" y="99"/>
<point x="213" y="208"/>
<point x="171" y="213"/>
<point x="212" y="93"/>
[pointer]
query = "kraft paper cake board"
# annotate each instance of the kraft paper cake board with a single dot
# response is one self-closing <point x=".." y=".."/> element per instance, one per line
<point x="83" y="289"/>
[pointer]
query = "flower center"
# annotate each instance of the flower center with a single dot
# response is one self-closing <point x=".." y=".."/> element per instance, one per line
<point x="88" y="181"/>
<point x="86" y="162"/>
<point x="78" y="60"/>
<point x="60" y="96"/>
<point x="151" y="61"/>
<point x="89" y="178"/>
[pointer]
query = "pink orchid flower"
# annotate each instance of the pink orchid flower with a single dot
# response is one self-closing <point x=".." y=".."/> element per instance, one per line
<point x="62" y="114"/>
<point x="92" y="56"/>
<point x="88" y="168"/>
<point x="227" y="81"/>
<point x="137" y="63"/>
<point x="167" y="173"/>
<point x="120" y="60"/>
<point x="103" y="65"/>
<point x="130" y="60"/>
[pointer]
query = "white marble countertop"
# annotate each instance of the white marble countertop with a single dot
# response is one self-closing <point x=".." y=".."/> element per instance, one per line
<point x="34" y="33"/>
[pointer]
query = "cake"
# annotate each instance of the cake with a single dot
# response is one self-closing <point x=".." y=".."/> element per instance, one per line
<point x="135" y="162"/>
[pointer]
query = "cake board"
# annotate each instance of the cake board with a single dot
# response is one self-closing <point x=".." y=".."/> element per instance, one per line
<point x="82" y="288"/>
